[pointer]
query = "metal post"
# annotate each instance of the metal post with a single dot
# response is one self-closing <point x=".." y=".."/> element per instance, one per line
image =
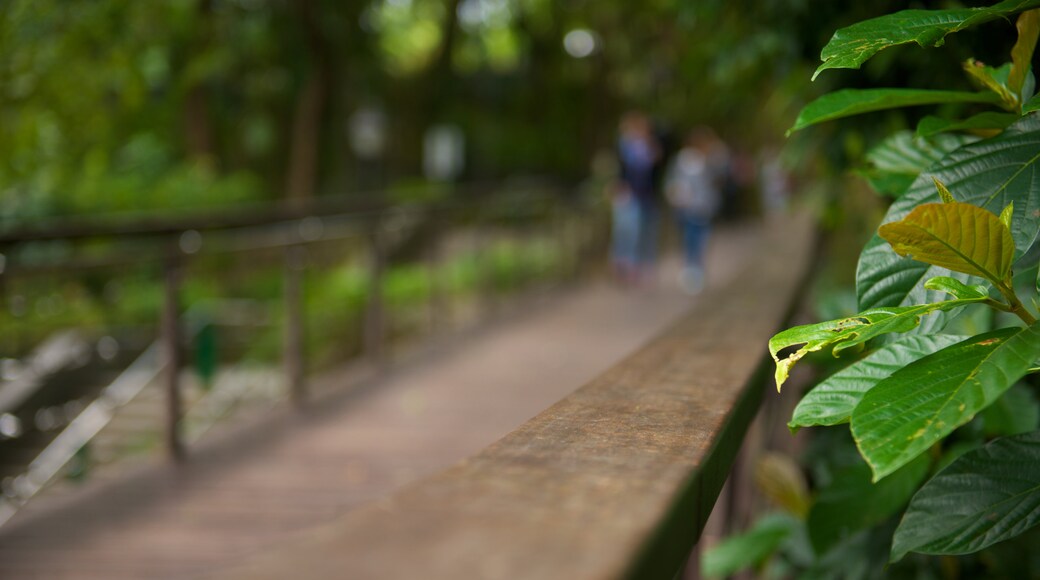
<point x="170" y="338"/>
<point x="293" y="344"/>
<point x="375" y="316"/>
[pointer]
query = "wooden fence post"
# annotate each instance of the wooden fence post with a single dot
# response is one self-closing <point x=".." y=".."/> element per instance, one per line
<point x="170" y="337"/>
<point x="293" y="338"/>
<point x="437" y="304"/>
<point x="375" y="315"/>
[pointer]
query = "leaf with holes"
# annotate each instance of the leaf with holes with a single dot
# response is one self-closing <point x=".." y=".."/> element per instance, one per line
<point x="832" y="401"/>
<point x="852" y="46"/>
<point x="844" y="333"/>
<point x="905" y="414"/>
<point x="989" y="174"/>
<point x="849" y="102"/>
<point x="956" y="236"/>
<point x="985" y="496"/>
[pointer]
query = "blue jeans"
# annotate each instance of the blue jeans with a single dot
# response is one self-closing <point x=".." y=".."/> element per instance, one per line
<point x="625" y="231"/>
<point x="649" y="220"/>
<point x="695" y="232"/>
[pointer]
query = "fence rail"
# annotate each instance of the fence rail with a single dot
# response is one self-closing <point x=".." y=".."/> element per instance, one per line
<point x="299" y="237"/>
<point x="614" y="481"/>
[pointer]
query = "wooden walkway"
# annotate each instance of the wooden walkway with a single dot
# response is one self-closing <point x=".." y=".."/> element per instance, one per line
<point x="253" y="487"/>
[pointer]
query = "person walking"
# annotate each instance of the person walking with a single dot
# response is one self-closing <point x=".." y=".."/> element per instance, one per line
<point x="693" y="188"/>
<point x="635" y="202"/>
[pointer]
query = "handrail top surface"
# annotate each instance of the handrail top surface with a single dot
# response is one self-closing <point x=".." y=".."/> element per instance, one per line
<point x="613" y="481"/>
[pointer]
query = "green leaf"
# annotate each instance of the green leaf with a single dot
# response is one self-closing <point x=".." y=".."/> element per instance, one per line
<point x="1028" y="26"/>
<point x="956" y="236"/>
<point x="901" y="157"/>
<point x="852" y="46"/>
<point x="844" y="333"/>
<point x="990" y="174"/>
<point x="956" y="288"/>
<point x="905" y="414"/>
<point x="851" y="502"/>
<point x="1006" y="214"/>
<point x="993" y="80"/>
<point x="1012" y="414"/>
<point x="944" y="193"/>
<point x="750" y="548"/>
<point x="831" y="402"/>
<point x="989" y="121"/>
<point x="848" y="102"/>
<point x="782" y="482"/>
<point x="1031" y="105"/>
<point x="986" y="496"/>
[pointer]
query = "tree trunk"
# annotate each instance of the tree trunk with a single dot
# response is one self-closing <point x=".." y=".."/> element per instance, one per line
<point x="305" y="140"/>
<point x="198" y="125"/>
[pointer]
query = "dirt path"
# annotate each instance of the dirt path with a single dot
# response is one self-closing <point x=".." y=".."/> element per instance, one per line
<point x="248" y="487"/>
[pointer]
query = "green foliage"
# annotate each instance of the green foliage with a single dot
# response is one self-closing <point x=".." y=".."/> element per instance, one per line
<point x="852" y="46"/>
<point x="845" y="333"/>
<point x="952" y="399"/>
<point x="988" y="122"/>
<point x="957" y="236"/>
<point x="991" y="174"/>
<point x="849" y="102"/>
<point x="831" y="402"/>
<point x="985" y="496"/>
<point x="897" y="161"/>
<point x="905" y="414"/>
<point x="852" y="502"/>
<point x="749" y="548"/>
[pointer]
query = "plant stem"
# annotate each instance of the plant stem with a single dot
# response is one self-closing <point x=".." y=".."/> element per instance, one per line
<point x="1016" y="306"/>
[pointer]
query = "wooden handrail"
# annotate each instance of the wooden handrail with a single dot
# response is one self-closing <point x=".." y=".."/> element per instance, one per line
<point x="614" y="481"/>
<point x="160" y="224"/>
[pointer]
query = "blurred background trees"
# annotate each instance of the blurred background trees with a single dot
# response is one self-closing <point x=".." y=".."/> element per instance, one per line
<point x="111" y="105"/>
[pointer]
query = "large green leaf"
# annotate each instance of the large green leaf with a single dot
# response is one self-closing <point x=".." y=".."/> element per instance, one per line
<point x="852" y="46"/>
<point x="750" y="548"/>
<point x="831" y="402"/>
<point x="848" y="102"/>
<point x="986" y="496"/>
<point x="905" y="414"/>
<point x="990" y="174"/>
<point x="957" y="236"/>
<point x="983" y="122"/>
<point x="901" y="157"/>
<point x="845" y="333"/>
<point x="851" y="502"/>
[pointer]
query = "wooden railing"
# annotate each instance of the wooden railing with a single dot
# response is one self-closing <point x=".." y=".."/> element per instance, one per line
<point x="295" y="235"/>
<point x="614" y="481"/>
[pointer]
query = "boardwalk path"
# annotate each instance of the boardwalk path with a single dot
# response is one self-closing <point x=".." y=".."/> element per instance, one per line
<point x="253" y="485"/>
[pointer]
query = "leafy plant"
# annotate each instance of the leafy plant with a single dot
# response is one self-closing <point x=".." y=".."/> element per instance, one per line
<point x="942" y="466"/>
